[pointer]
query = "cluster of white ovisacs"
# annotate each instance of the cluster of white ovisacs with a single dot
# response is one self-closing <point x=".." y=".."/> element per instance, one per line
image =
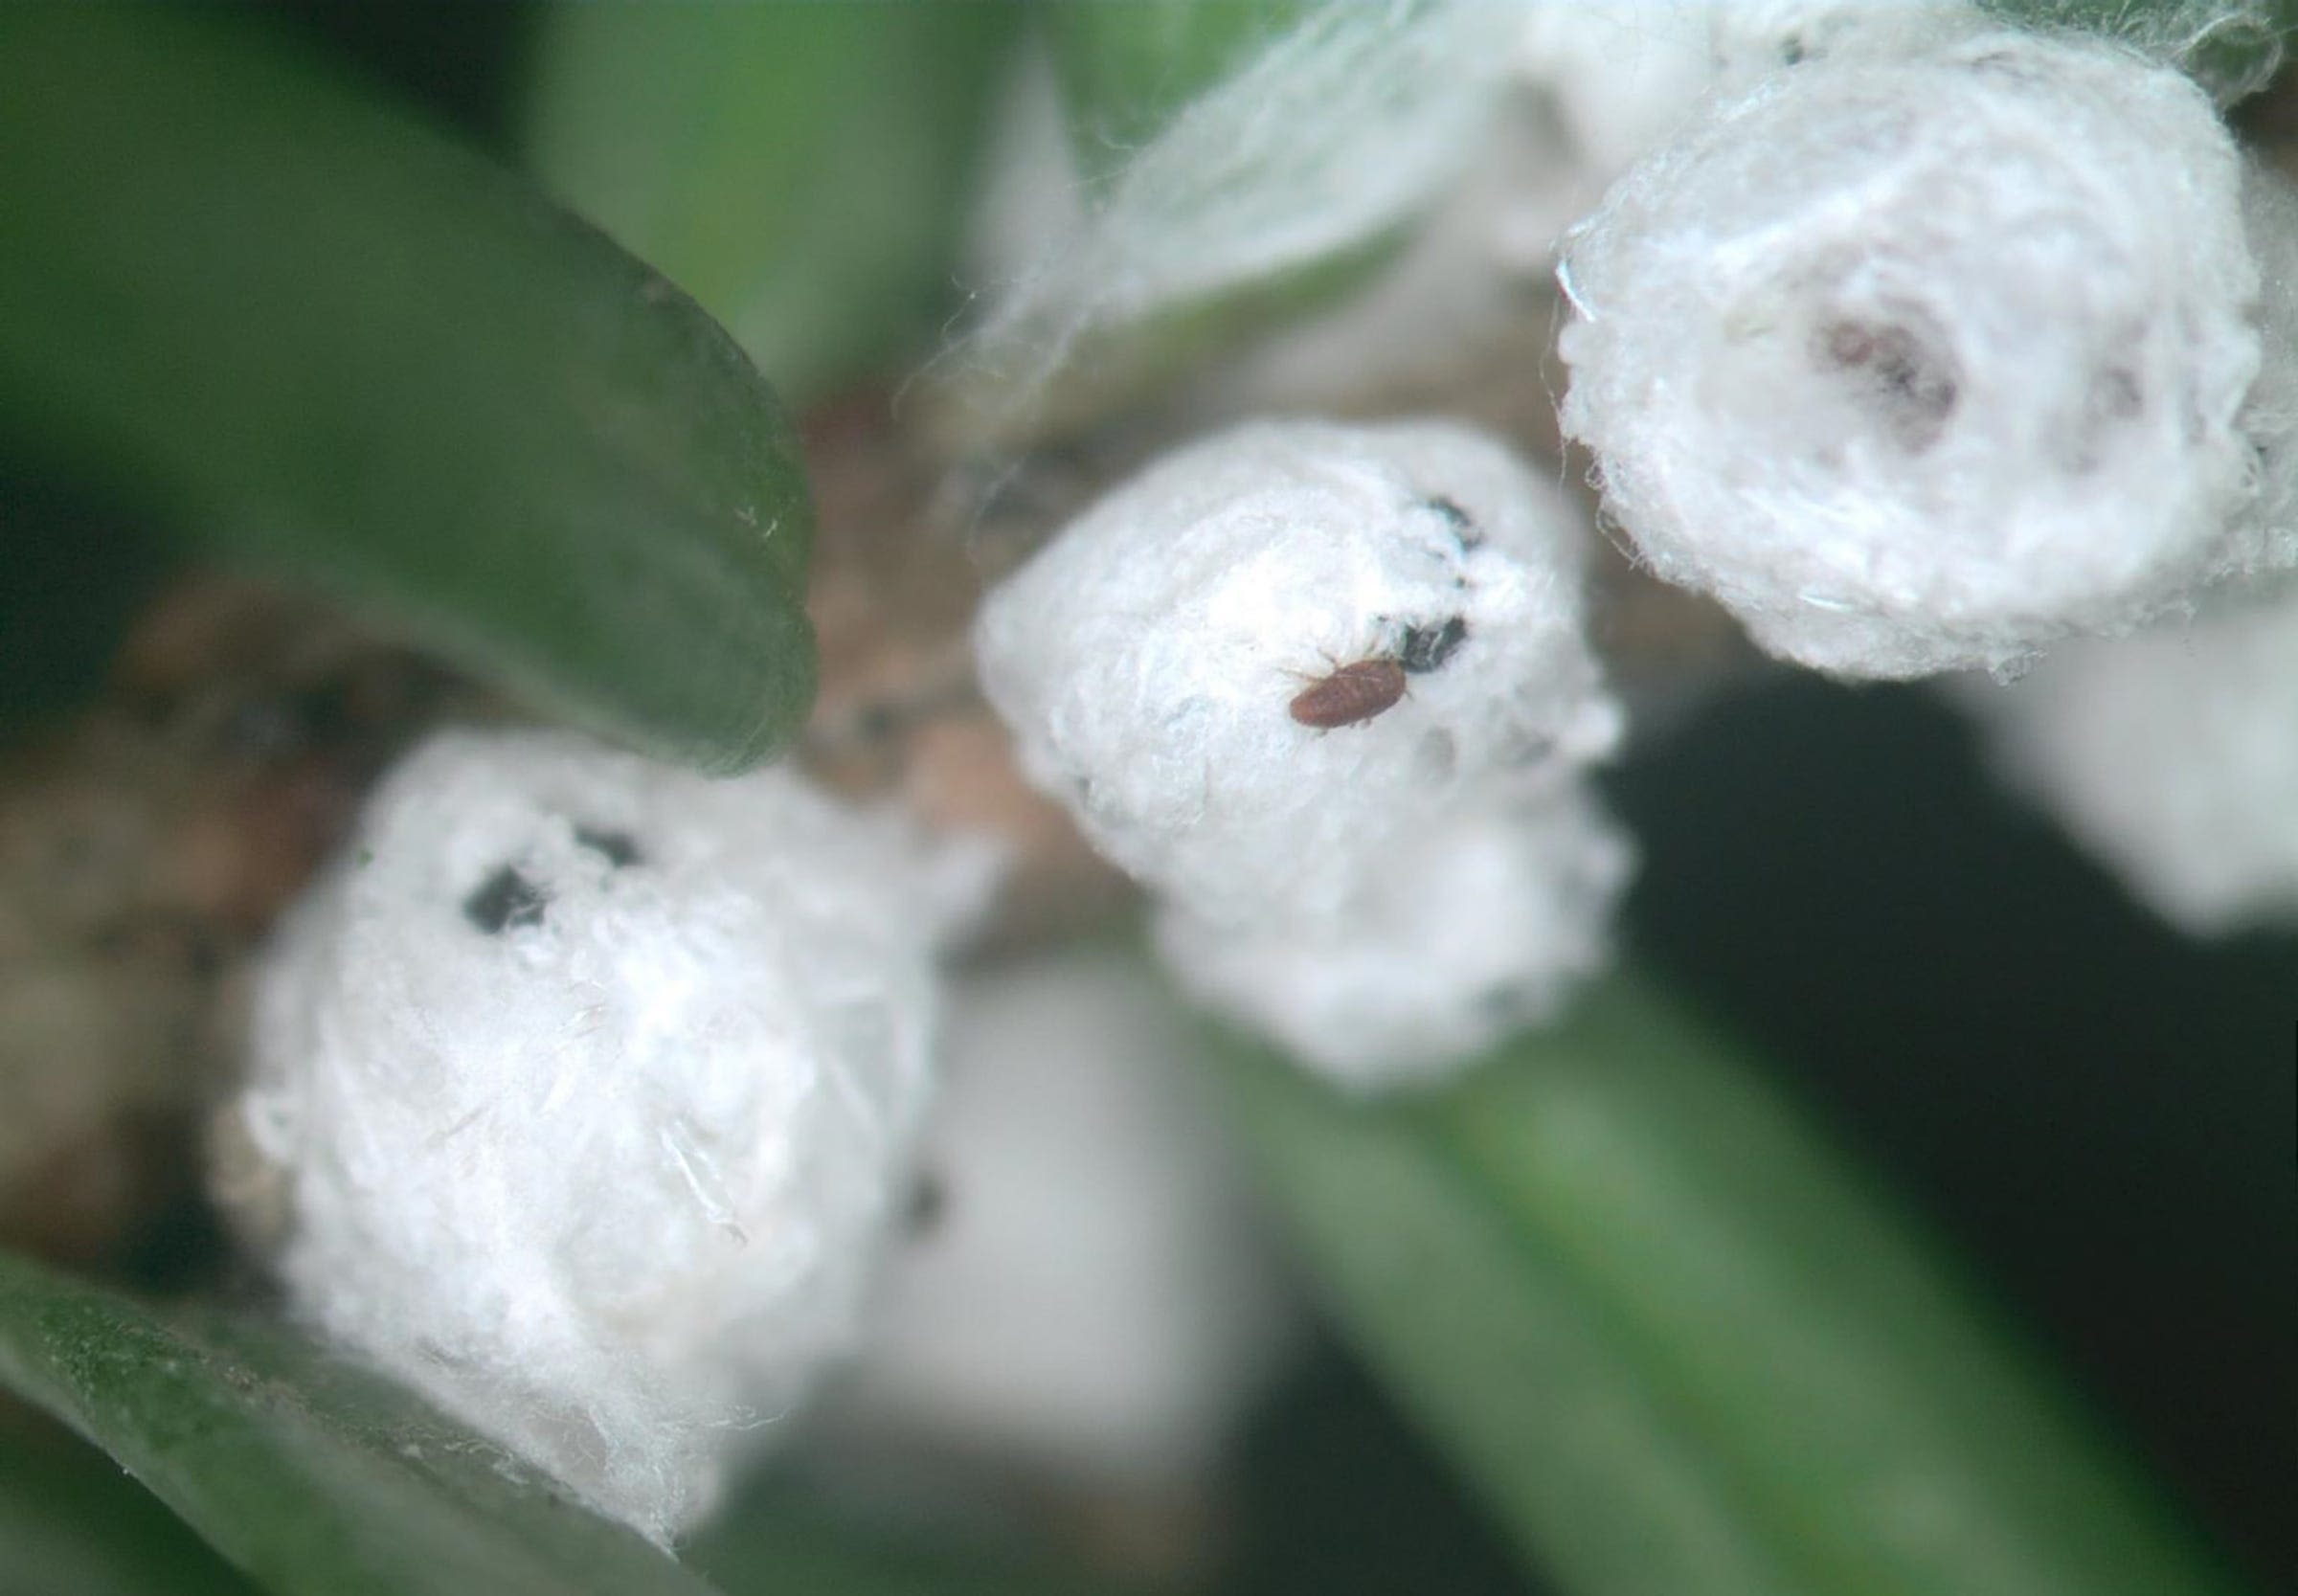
<point x="586" y="1082"/>
<point x="1314" y="684"/>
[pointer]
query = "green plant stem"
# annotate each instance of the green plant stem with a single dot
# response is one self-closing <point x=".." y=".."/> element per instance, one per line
<point x="1680" y="1346"/>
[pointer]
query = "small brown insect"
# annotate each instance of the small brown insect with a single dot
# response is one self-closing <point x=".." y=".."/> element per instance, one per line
<point x="1353" y="694"/>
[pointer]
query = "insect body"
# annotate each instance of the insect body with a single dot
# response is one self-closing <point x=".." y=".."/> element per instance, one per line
<point x="1351" y="695"/>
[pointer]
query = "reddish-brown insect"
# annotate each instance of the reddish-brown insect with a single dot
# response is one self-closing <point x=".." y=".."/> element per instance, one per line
<point x="1351" y="695"/>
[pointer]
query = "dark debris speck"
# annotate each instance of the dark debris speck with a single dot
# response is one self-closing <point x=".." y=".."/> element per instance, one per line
<point x="1425" y="648"/>
<point x="504" y="900"/>
<point x="929" y="1202"/>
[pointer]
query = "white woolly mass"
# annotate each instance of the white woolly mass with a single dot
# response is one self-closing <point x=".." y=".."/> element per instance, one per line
<point x="1473" y="931"/>
<point x="589" y="1080"/>
<point x="1086" y="1292"/>
<point x="2172" y="756"/>
<point x="1339" y="129"/>
<point x="1147" y="658"/>
<point x="1386" y="889"/>
<point x="1924" y="363"/>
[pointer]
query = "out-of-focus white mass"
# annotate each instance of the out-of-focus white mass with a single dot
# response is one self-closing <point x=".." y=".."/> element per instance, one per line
<point x="1480" y="927"/>
<point x="1621" y="74"/>
<point x="1084" y="1290"/>
<point x="1920" y="362"/>
<point x="2172" y="755"/>
<point x="589" y="1083"/>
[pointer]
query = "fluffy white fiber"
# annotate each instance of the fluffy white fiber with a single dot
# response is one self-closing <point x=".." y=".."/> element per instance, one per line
<point x="1085" y="1292"/>
<point x="2230" y="46"/>
<point x="1624" y="75"/>
<point x="589" y="1081"/>
<point x="1338" y="130"/>
<point x="1477" y="930"/>
<point x="1617" y="79"/>
<point x="1921" y="363"/>
<point x="1147" y="658"/>
<point x="2173" y="756"/>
